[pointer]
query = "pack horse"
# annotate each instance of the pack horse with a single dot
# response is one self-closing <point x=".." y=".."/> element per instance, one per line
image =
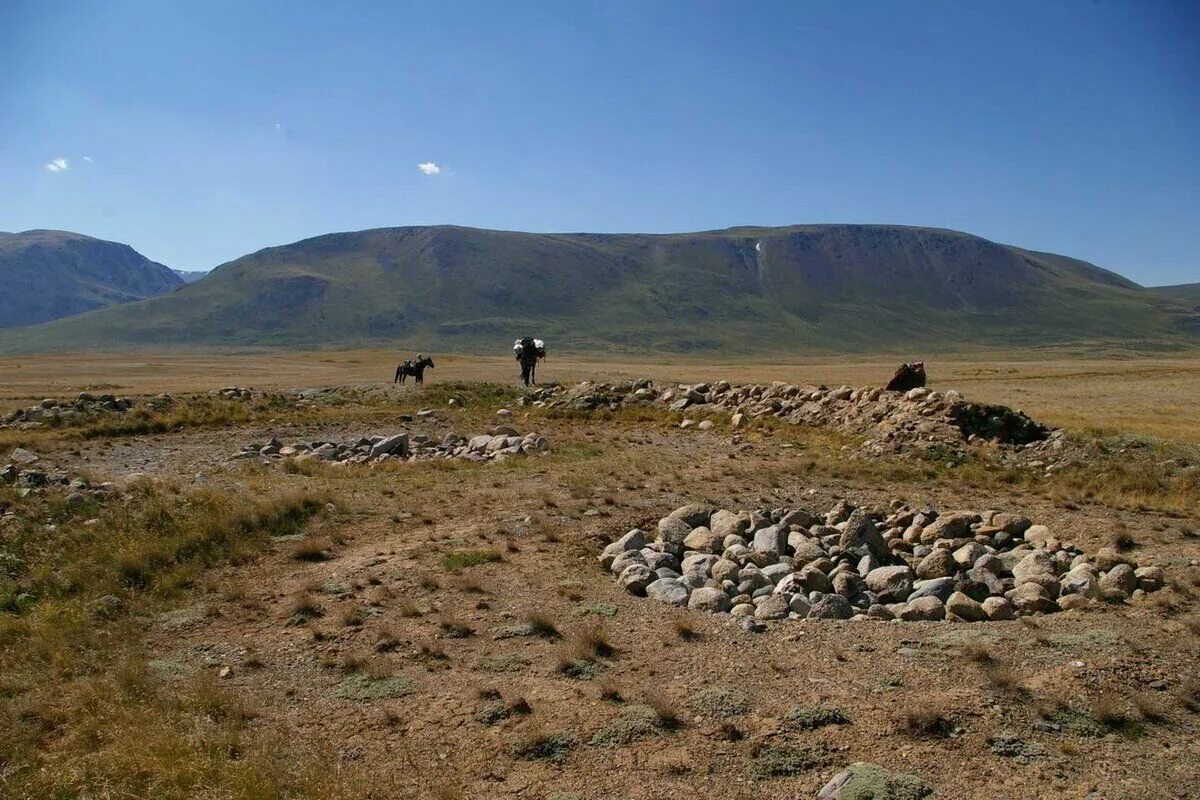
<point x="528" y="352"/>
<point x="415" y="368"/>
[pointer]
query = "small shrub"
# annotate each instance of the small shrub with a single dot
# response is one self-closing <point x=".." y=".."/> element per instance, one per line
<point x="365" y="688"/>
<point x="1002" y="677"/>
<point x="1123" y="541"/>
<point x="636" y="722"/>
<point x="505" y="662"/>
<point x="305" y="607"/>
<point x="719" y="702"/>
<point x="464" y="559"/>
<point x="787" y="762"/>
<point x="812" y="717"/>
<point x="1109" y="711"/>
<point x="545" y="745"/>
<point x="593" y="642"/>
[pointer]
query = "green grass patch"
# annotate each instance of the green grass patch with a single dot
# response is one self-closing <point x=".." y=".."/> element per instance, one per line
<point x="465" y="559"/>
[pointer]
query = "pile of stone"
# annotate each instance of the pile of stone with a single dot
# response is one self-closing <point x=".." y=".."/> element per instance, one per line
<point x="502" y="443"/>
<point x="900" y="563"/>
<point x="21" y="473"/>
<point x="86" y="407"/>
<point x="890" y="421"/>
<point x="235" y="393"/>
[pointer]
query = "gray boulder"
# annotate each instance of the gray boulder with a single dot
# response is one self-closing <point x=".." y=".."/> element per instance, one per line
<point x="392" y="445"/>
<point x="694" y="514"/>
<point x="669" y="591"/>
<point x="830" y="606"/>
<point x="860" y="533"/>
<point x="965" y="608"/>
<point x="772" y="539"/>
<point x="923" y="609"/>
<point x="710" y="600"/>
<point x="890" y="583"/>
<point x="938" y="564"/>
<point x="636" y="577"/>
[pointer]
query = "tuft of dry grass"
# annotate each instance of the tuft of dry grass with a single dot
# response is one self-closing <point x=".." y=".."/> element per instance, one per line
<point x="979" y="652"/>
<point x="454" y="628"/>
<point x="610" y="691"/>
<point x="1189" y="694"/>
<point x="310" y="549"/>
<point x="1149" y="707"/>
<point x="665" y="710"/>
<point x="542" y="625"/>
<point x="924" y="721"/>
<point x="1109" y="710"/>
<point x="592" y="642"/>
<point x="685" y="628"/>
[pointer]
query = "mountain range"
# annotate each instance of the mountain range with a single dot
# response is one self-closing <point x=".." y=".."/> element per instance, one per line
<point x="745" y="289"/>
<point x="47" y="275"/>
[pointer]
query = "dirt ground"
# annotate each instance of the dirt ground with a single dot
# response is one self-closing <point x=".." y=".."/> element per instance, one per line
<point x="384" y="607"/>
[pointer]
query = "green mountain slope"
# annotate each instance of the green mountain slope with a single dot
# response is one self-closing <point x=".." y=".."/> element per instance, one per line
<point x="52" y="274"/>
<point x="1187" y="293"/>
<point x="834" y="287"/>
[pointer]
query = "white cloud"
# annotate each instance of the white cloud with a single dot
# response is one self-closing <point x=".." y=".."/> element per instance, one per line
<point x="88" y="159"/>
<point x="429" y="168"/>
<point x="58" y="165"/>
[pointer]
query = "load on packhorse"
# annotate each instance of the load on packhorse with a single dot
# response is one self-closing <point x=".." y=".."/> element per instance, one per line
<point x="415" y="368"/>
<point x="909" y="376"/>
<point x="528" y="352"/>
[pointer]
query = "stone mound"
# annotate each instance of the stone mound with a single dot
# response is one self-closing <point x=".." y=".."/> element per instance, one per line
<point x="901" y="563"/>
<point x="890" y="420"/>
<point x="87" y="407"/>
<point x="402" y="447"/>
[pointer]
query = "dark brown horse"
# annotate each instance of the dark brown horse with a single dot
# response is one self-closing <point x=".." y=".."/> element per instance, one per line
<point x="414" y="368"/>
<point x="909" y="376"/>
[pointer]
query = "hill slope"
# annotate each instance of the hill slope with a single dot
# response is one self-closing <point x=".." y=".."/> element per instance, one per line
<point x="833" y="287"/>
<point x="47" y="275"/>
<point x="1187" y="293"/>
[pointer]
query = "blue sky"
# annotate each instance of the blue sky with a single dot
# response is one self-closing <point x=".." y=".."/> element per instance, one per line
<point x="198" y="132"/>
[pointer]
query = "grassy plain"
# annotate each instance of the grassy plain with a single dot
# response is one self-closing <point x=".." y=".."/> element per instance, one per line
<point x="1116" y="392"/>
<point x="441" y="629"/>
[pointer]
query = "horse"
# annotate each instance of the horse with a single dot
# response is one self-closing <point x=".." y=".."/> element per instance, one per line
<point x="528" y="352"/>
<point x="414" y="368"/>
<point x="909" y="376"/>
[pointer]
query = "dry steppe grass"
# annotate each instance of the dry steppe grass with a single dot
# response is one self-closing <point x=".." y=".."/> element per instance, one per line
<point x="442" y="630"/>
